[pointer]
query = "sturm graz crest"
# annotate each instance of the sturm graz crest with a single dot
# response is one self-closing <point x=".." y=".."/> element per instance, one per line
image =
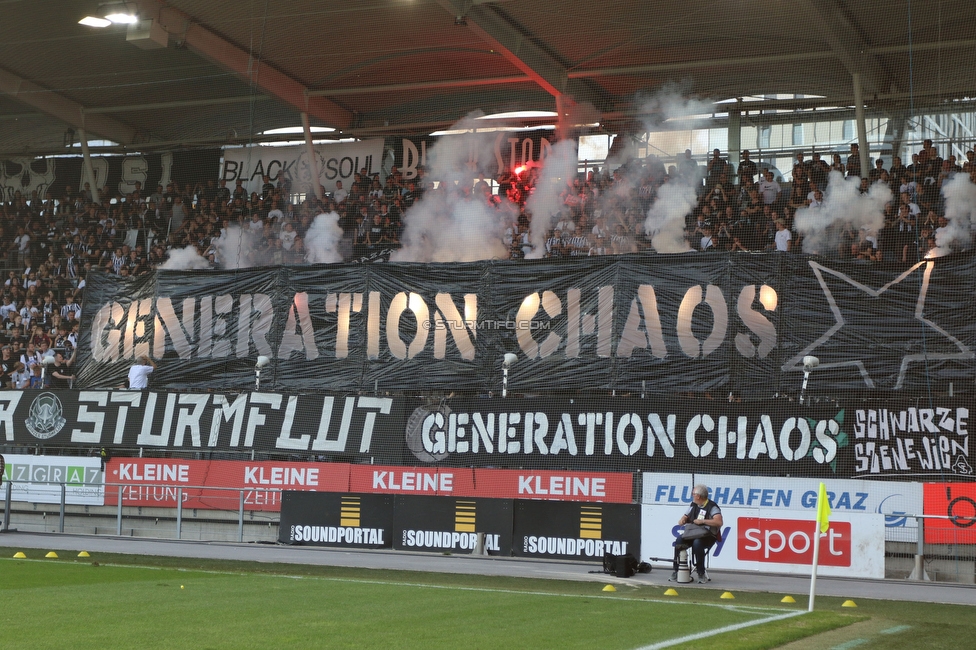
<point x="414" y="433"/>
<point x="44" y="419"/>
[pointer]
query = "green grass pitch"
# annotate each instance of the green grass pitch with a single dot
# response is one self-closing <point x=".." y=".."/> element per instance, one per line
<point x="141" y="602"/>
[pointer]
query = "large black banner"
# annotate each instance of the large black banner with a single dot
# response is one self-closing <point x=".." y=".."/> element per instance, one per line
<point x="654" y="323"/>
<point x="509" y="150"/>
<point x="893" y="439"/>
<point x="774" y="437"/>
<point x="113" y="174"/>
<point x="338" y="427"/>
<point x="576" y="531"/>
<point x="446" y="524"/>
<point x="334" y="519"/>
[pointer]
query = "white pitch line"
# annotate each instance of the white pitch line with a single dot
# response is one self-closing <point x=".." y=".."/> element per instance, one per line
<point x="750" y="609"/>
<point x="722" y="630"/>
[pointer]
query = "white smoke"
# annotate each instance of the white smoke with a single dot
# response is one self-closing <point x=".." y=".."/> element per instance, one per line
<point x="323" y="238"/>
<point x="960" y="210"/>
<point x="450" y="224"/>
<point x="671" y="108"/>
<point x="544" y="204"/>
<point x="665" y="222"/>
<point x="185" y="259"/>
<point x="842" y="203"/>
<point x="442" y="228"/>
<point x="234" y="248"/>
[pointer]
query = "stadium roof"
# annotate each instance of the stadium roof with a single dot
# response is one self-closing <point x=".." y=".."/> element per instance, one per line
<point x="234" y="68"/>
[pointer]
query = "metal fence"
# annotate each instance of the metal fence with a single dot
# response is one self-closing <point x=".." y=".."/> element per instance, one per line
<point x="230" y="514"/>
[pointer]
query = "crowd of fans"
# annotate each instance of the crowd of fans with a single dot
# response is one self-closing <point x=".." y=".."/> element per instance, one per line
<point x="52" y="243"/>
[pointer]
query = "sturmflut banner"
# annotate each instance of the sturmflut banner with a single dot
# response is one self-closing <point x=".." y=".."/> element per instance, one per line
<point x="409" y="445"/>
<point x="653" y="324"/>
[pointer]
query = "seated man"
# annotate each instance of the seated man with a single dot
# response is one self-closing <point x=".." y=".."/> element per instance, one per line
<point x="703" y="513"/>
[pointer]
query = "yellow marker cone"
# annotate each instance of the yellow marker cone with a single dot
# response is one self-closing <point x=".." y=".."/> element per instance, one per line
<point x="727" y="596"/>
<point x="52" y="555"/>
<point x="84" y="554"/>
<point x="609" y="588"/>
<point x="20" y="555"/>
<point x="849" y="603"/>
<point x="670" y="592"/>
<point x="788" y="599"/>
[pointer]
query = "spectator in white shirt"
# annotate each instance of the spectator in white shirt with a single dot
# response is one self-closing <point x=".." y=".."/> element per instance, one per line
<point x="340" y="194"/>
<point x="139" y="373"/>
<point x="769" y="189"/>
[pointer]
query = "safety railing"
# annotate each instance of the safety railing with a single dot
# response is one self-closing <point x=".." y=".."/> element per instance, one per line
<point x="144" y="510"/>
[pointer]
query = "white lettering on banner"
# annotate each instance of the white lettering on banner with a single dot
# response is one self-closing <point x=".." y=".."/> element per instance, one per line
<point x="150" y="472"/>
<point x="38" y="479"/>
<point x="134" y="169"/>
<point x="186" y="418"/>
<point x="337" y="535"/>
<point x="413" y="481"/>
<point x="755" y="540"/>
<point x="535" y="485"/>
<point x="9" y="399"/>
<point x="262" y="497"/>
<point x="572" y="546"/>
<point x="510" y="151"/>
<point x="627" y="434"/>
<point x="892" y="499"/>
<point x="575" y="324"/>
<point x="334" y="162"/>
<point x="912" y="441"/>
<point x="261" y="475"/>
<point x="447" y="540"/>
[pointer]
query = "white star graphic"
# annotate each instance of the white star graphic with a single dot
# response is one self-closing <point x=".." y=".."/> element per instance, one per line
<point x="796" y="363"/>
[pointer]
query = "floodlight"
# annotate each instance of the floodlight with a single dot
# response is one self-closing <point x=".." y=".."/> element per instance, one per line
<point x="262" y="361"/>
<point x="92" y="21"/>
<point x="809" y="363"/>
<point x="122" y="19"/>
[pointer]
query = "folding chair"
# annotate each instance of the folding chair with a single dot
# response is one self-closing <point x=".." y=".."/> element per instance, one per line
<point x="691" y="562"/>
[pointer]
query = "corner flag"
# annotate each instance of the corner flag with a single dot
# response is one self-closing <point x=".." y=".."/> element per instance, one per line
<point x="823" y="509"/>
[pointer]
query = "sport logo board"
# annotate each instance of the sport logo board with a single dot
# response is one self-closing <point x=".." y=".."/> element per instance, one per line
<point x="854" y="545"/>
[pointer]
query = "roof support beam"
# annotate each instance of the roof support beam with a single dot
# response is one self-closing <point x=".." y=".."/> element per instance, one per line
<point x="66" y="110"/>
<point x="420" y="85"/>
<point x="699" y="64"/>
<point x="242" y="62"/>
<point x="519" y="48"/>
<point x="849" y="45"/>
<point x="186" y="103"/>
